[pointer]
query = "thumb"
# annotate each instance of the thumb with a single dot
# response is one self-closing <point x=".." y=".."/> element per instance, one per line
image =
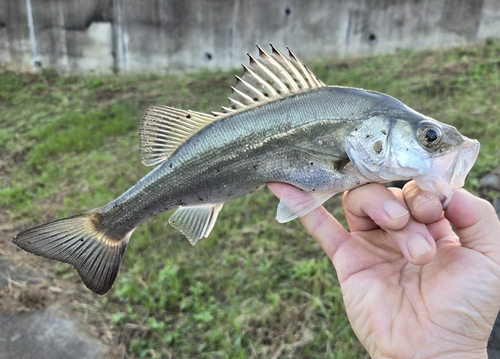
<point x="476" y="223"/>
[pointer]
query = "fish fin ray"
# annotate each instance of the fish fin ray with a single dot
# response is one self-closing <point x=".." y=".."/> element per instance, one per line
<point x="77" y="240"/>
<point x="269" y="77"/>
<point x="164" y="129"/>
<point x="196" y="222"/>
<point x="312" y="80"/>
<point x="295" y="203"/>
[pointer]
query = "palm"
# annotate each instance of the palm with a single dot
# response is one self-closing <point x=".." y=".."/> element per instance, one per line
<point x="395" y="306"/>
<point x="412" y="287"/>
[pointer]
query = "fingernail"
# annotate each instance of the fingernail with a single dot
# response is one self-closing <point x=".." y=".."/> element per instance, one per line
<point x="420" y="201"/>
<point x="394" y="209"/>
<point x="418" y="245"/>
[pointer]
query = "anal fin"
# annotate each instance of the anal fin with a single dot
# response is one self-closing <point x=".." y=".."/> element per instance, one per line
<point x="196" y="222"/>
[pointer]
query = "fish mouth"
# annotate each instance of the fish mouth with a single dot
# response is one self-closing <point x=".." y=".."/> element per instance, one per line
<point x="447" y="173"/>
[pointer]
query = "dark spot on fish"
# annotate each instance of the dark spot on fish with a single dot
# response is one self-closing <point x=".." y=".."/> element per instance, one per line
<point x="384" y="132"/>
<point x="201" y="199"/>
<point x="81" y="239"/>
<point x="279" y="92"/>
<point x="367" y="136"/>
<point x="377" y="146"/>
<point x="255" y="167"/>
<point x="188" y="116"/>
<point x="266" y="94"/>
<point x="170" y="166"/>
<point x="314" y="189"/>
<point x="255" y="99"/>
<point x="355" y="128"/>
<point x="312" y="163"/>
<point x="229" y="194"/>
<point x="407" y="149"/>
<point x="218" y="170"/>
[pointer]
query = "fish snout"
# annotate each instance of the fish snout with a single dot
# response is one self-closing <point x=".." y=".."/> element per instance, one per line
<point x="447" y="173"/>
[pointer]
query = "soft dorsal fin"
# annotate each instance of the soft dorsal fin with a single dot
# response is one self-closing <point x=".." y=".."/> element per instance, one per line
<point x="269" y="77"/>
<point x="164" y="129"/>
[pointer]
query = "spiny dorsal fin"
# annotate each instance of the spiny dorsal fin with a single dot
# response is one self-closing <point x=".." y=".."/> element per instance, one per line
<point x="164" y="129"/>
<point x="267" y="78"/>
<point x="270" y="77"/>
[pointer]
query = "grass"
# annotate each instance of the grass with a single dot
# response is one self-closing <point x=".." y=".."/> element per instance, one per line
<point x="254" y="288"/>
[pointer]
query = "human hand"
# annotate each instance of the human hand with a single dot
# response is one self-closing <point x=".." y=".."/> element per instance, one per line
<point x="412" y="287"/>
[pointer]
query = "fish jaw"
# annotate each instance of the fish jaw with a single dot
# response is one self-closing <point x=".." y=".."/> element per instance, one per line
<point x="447" y="172"/>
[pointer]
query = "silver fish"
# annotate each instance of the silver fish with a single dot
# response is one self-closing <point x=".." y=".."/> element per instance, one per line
<point x="282" y="125"/>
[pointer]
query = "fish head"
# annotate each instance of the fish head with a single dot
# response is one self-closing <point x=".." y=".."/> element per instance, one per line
<point x="406" y="145"/>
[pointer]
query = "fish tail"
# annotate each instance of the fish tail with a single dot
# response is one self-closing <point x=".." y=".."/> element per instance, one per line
<point x="81" y="241"/>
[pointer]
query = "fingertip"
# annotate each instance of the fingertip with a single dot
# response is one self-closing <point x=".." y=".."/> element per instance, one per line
<point x="394" y="210"/>
<point x="465" y="209"/>
<point x="276" y="188"/>
<point x="420" y="249"/>
<point x="425" y="207"/>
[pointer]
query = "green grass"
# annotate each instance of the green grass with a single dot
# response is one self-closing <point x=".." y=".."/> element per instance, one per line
<point x="254" y="288"/>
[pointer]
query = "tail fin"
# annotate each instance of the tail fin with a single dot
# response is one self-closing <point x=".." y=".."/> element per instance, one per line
<point x="77" y="240"/>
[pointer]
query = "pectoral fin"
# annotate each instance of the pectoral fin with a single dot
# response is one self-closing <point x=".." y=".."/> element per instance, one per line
<point x="296" y="203"/>
<point x="196" y="222"/>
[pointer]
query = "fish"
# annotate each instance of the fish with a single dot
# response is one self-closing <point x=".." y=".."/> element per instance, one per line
<point x="282" y="124"/>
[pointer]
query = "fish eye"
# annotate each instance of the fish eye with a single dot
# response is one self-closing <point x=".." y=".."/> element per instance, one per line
<point x="430" y="136"/>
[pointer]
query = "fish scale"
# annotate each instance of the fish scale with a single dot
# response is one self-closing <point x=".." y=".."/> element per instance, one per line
<point x="282" y="125"/>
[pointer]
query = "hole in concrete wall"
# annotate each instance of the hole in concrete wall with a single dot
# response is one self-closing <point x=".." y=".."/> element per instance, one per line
<point x="38" y="64"/>
<point x="287" y="11"/>
<point x="371" y="38"/>
<point x="208" y="56"/>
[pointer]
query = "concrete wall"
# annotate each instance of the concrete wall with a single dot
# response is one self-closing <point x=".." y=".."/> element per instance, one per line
<point x="79" y="36"/>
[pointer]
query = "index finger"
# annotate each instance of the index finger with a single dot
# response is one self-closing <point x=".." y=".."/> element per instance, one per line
<point x="372" y="206"/>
